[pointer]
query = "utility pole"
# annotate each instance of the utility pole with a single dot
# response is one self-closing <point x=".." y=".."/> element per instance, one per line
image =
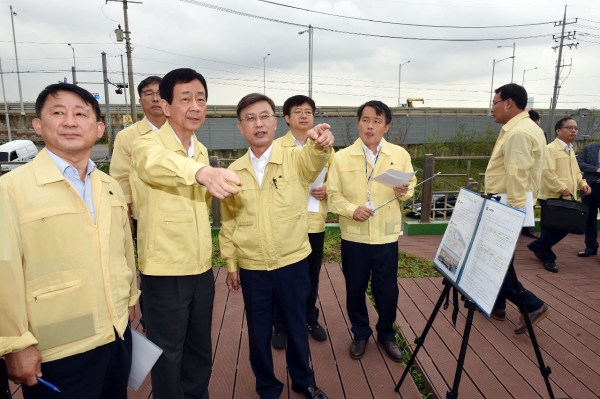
<point x="12" y="13"/>
<point x="107" y="105"/>
<point x="5" y="104"/>
<point x="310" y="56"/>
<point x="559" y="65"/>
<point x="128" y="51"/>
<point x="124" y="90"/>
<point x="74" y="67"/>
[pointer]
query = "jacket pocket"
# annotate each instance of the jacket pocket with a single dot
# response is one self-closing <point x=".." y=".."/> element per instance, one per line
<point x="62" y="308"/>
<point x="175" y="238"/>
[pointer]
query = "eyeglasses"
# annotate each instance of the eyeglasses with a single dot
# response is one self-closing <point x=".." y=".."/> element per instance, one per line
<point x="151" y="94"/>
<point x="252" y="118"/>
<point x="299" y="112"/>
<point x="573" y="128"/>
<point x="496" y="102"/>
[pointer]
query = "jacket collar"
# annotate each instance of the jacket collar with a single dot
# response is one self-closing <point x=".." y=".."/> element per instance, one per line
<point x="167" y="136"/>
<point x="46" y="171"/>
<point x="245" y="163"/>
<point x="356" y="148"/>
<point x="514" y="120"/>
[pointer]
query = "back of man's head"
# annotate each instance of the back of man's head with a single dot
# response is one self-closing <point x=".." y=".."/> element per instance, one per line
<point x="379" y="107"/>
<point x="147" y="82"/>
<point x="179" y="76"/>
<point x="534" y="115"/>
<point x="516" y="93"/>
<point x="53" y="89"/>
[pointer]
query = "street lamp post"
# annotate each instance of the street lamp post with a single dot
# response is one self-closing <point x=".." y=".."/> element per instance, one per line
<point x="265" y="73"/>
<point x="524" y="72"/>
<point x="74" y="69"/>
<point x="310" y="57"/>
<point x="12" y="13"/>
<point x="492" y="88"/>
<point x="400" y="80"/>
<point x="512" y="73"/>
<point x="5" y="104"/>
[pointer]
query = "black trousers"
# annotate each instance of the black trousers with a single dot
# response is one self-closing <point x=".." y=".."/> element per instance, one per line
<point x="548" y="239"/>
<point x="289" y="286"/>
<point x="315" y="259"/>
<point x="507" y="291"/>
<point x="591" y="228"/>
<point x="379" y="263"/>
<point x="100" y="373"/>
<point x="178" y="312"/>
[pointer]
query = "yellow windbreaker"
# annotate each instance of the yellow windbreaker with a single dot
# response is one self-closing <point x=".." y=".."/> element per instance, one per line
<point x="65" y="282"/>
<point x="120" y="163"/>
<point x="347" y="187"/>
<point x="515" y="166"/>
<point x="173" y="227"/>
<point x="561" y="171"/>
<point x="265" y="228"/>
<point x="316" y="220"/>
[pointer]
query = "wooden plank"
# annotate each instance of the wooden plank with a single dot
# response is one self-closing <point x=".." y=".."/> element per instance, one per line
<point x="351" y="373"/>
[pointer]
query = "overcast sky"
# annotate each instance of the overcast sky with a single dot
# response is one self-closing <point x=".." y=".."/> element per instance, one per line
<point x="228" y="48"/>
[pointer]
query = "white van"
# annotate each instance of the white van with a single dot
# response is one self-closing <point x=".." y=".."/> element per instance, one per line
<point x="16" y="151"/>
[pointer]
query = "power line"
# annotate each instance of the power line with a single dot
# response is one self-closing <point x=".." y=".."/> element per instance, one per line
<point x="10" y="41"/>
<point x="404" y="23"/>
<point x="211" y="6"/>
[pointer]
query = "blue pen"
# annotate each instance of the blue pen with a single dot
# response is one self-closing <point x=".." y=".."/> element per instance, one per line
<point x="49" y="385"/>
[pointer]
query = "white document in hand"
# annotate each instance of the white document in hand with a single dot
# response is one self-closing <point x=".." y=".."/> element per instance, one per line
<point x="144" y="354"/>
<point x="313" y="203"/>
<point x="529" y="214"/>
<point x="393" y="178"/>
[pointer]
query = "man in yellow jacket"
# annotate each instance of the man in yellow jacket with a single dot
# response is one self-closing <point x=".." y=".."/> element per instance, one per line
<point x="369" y="237"/>
<point x="515" y="168"/>
<point x="561" y="177"/>
<point x="264" y="240"/>
<point x="120" y="163"/>
<point x="67" y="270"/>
<point x="171" y="187"/>
<point x="299" y="112"/>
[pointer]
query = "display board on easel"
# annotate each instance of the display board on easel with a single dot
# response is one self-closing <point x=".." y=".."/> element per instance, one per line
<point x="478" y="246"/>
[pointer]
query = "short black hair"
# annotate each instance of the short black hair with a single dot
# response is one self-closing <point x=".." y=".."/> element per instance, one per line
<point x="560" y="123"/>
<point x="534" y="115"/>
<point x="379" y="107"/>
<point x="296" y="101"/>
<point x="515" y="92"/>
<point x="178" y="76"/>
<point x="148" y="81"/>
<point x="250" y="99"/>
<point x="54" y="89"/>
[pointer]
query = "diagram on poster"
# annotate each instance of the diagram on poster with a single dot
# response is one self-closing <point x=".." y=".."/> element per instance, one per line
<point x="478" y="245"/>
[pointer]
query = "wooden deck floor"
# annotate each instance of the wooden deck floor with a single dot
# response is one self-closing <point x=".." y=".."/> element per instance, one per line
<point x="499" y="364"/>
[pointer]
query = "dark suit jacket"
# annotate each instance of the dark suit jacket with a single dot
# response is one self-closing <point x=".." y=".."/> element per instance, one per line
<point x="588" y="162"/>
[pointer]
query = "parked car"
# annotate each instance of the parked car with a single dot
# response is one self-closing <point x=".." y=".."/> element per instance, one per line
<point x="437" y="202"/>
<point x="16" y="151"/>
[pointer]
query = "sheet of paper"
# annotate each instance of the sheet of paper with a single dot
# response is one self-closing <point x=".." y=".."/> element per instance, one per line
<point x="144" y="354"/>
<point x="313" y="203"/>
<point x="529" y="214"/>
<point x="490" y="254"/>
<point x="392" y="177"/>
<point x="459" y="233"/>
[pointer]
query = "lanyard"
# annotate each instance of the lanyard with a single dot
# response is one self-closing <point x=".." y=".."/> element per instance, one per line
<point x="367" y="174"/>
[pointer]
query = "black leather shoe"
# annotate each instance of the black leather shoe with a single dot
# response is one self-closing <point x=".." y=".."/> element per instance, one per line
<point x="357" y="349"/>
<point x="537" y="253"/>
<point x="550" y="266"/>
<point x="588" y="252"/>
<point x="526" y="231"/>
<point x="279" y="338"/>
<point x="312" y="392"/>
<point x="316" y="331"/>
<point x="392" y="350"/>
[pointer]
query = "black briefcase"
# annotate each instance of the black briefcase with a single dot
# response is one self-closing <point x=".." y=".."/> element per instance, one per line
<point x="569" y="216"/>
